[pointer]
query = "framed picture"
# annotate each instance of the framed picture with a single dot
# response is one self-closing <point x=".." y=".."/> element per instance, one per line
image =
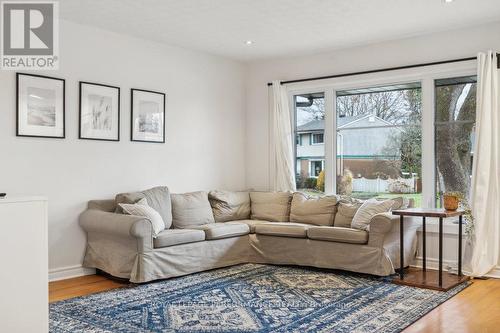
<point x="40" y="106"/>
<point x="99" y="112"/>
<point x="148" y="116"/>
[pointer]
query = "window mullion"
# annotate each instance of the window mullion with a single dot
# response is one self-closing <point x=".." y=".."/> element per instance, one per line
<point x="330" y="142"/>
<point x="428" y="149"/>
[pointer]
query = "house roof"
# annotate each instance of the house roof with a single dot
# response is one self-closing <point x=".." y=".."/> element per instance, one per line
<point x="315" y="125"/>
<point x="319" y="124"/>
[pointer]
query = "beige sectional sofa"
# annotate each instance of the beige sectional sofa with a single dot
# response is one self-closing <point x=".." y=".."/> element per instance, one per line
<point x="210" y="230"/>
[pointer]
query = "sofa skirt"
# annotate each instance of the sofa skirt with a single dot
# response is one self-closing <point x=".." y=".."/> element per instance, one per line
<point x="321" y="254"/>
<point x="172" y="261"/>
<point x="193" y="257"/>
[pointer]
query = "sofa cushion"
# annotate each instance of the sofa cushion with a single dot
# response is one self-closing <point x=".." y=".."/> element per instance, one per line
<point x="190" y="209"/>
<point x="223" y="230"/>
<point x="107" y="205"/>
<point x="127" y="198"/>
<point x="369" y="209"/>
<point x="141" y="208"/>
<point x="345" y="213"/>
<point x="158" y="198"/>
<point x="286" y="229"/>
<point x="313" y="210"/>
<point x="270" y="206"/>
<point x="252" y="224"/>
<point x="338" y="234"/>
<point x="171" y="237"/>
<point x="229" y="206"/>
<point x="399" y="202"/>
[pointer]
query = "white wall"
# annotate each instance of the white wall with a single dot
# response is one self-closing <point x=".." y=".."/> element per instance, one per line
<point x="205" y="132"/>
<point x="441" y="46"/>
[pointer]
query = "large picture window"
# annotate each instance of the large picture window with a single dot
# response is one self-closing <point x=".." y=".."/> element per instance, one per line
<point x="310" y="147"/>
<point x="379" y="142"/>
<point x="406" y="133"/>
<point x="455" y="114"/>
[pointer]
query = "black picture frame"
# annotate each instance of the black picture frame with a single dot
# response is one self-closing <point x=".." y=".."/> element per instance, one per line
<point x="18" y="79"/>
<point x="80" y="88"/>
<point x="132" y="114"/>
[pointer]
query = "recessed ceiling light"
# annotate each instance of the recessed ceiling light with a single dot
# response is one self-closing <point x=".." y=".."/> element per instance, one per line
<point x="248" y="42"/>
<point x="448" y="1"/>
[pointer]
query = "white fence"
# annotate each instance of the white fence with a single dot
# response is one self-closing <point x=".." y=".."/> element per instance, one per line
<point x="399" y="185"/>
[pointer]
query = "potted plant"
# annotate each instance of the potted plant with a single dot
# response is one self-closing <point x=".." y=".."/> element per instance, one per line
<point x="451" y="200"/>
<point x="454" y="200"/>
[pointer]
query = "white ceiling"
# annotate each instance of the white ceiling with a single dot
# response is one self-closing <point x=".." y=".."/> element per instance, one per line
<point x="277" y="27"/>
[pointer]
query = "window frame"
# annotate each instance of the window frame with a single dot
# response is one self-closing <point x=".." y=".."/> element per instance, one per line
<point x="446" y="123"/>
<point x="311" y="170"/>
<point x="317" y="143"/>
<point x="425" y="75"/>
<point x="298" y="142"/>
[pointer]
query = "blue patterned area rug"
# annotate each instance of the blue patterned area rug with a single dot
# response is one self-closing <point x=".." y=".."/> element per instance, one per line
<point x="251" y="298"/>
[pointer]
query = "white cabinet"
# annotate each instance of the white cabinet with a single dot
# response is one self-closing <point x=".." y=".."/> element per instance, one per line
<point x="24" y="265"/>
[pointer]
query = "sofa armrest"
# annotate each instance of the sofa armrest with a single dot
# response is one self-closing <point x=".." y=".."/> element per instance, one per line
<point x="383" y="222"/>
<point x="118" y="225"/>
<point x="391" y="238"/>
<point x="380" y="225"/>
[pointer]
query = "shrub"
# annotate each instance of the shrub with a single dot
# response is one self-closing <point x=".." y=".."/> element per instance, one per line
<point x="344" y="183"/>
<point x="320" y="182"/>
<point x="299" y="181"/>
<point x="397" y="186"/>
<point x="310" y="183"/>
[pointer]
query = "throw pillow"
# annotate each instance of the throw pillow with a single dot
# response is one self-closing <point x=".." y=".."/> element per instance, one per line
<point x="141" y="208"/>
<point x="270" y="206"/>
<point x="399" y="202"/>
<point x="313" y="210"/>
<point x="230" y="206"/>
<point x="190" y="209"/>
<point x="158" y="198"/>
<point x="368" y="209"/>
<point x="127" y="198"/>
<point x="345" y="213"/>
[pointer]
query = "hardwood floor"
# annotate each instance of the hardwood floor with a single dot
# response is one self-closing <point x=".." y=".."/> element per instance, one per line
<point x="476" y="309"/>
<point x="80" y="286"/>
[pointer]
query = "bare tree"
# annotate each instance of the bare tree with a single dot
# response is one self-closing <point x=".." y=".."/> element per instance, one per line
<point x="316" y="111"/>
<point x="392" y="106"/>
<point x="454" y="125"/>
<point x="405" y="142"/>
<point x="396" y="107"/>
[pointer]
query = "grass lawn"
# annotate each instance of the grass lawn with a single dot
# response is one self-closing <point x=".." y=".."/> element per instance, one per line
<point x="417" y="197"/>
<point x="311" y="192"/>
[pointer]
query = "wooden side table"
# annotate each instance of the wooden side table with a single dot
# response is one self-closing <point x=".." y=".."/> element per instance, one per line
<point x="424" y="278"/>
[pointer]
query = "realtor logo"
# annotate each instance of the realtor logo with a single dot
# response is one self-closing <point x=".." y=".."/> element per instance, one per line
<point x="30" y="35"/>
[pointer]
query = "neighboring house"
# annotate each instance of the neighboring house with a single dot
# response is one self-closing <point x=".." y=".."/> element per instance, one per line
<point x="361" y="141"/>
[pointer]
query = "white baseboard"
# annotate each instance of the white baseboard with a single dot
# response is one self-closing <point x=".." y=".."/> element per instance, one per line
<point x="495" y="273"/>
<point x="69" y="272"/>
<point x="433" y="263"/>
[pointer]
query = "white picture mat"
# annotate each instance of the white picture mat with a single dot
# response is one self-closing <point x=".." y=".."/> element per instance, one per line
<point x="145" y="97"/>
<point x="86" y="112"/>
<point x="26" y="82"/>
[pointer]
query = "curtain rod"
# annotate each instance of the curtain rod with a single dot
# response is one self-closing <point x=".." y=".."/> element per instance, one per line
<point x="383" y="70"/>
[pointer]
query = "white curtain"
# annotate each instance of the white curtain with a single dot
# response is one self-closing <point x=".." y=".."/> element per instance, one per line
<point x="485" y="193"/>
<point x="281" y="140"/>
